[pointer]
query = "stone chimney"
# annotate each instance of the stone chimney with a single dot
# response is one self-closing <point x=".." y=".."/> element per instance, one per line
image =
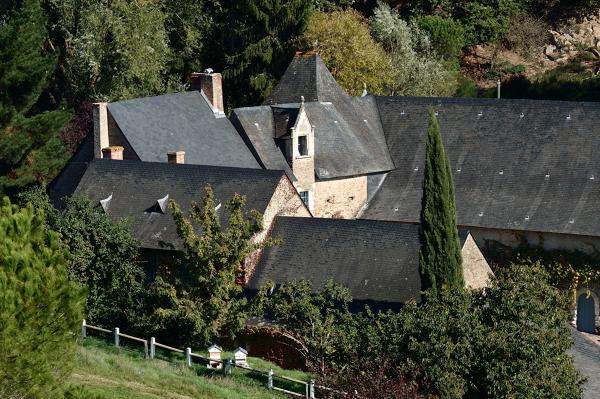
<point x="113" y="152"/>
<point x="100" y="128"/>
<point x="176" y="156"/>
<point x="211" y="83"/>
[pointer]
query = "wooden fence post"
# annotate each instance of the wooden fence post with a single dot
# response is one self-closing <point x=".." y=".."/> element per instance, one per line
<point x="188" y="357"/>
<point x="270" y="379"/>
<point x="228" y="367"/>
<point x="311" y="389"/>
<point x="145" y="349"/>
<point x="152" y="343"/>
<point x="83" y="331"/>
<point x="116" y="336"/>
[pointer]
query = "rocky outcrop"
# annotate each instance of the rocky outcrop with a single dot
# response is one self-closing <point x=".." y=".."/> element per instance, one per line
<point x="575" y="36"/>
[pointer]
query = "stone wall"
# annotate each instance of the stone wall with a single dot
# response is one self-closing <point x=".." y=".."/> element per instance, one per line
<point x="476" y="270"/>
<point x="284" y="202"/>
<point x="340" y="198"/>
<point x="511" y="238"/>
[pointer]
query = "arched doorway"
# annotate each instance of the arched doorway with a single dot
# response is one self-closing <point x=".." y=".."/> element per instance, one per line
<point x="586" y="317"/>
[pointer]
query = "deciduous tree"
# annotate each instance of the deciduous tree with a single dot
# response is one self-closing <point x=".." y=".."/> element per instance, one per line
<point x="200" y="297"/>
<point x="343" y="40"/>
<point x="103" y="256"/>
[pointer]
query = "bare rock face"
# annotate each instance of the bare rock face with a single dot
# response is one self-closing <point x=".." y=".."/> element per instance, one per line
<point x="575" y="36"/>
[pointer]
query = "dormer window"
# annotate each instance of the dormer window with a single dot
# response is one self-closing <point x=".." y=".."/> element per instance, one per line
<point x="105" y="203"/>
<point x="303" y="146"/>
<point x="160" y="206"/>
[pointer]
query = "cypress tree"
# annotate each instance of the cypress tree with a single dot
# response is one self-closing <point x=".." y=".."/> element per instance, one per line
<point x="30" y="146"/>
<point x="40" y="309"/>
<point x="440" y="260"/>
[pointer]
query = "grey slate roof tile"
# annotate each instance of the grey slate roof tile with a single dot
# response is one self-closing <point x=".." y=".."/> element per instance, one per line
<point x="306" y="76"/>
<point x="378" y="261"/>
<point x="136" y="186"/>
<point x="517" y="164"/>
<point x="256" y="126"/>
<point x="349" y="138"/>
<point x="180" y="121"/>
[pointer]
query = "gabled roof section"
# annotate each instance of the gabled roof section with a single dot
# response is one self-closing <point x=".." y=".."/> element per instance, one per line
<point x="306" y="76"/>
<point x="256" y="125"/>
<point x="378" y="261"/>
<point x="181" y="121"/>
<point x="139" y="192"/>
<point x="517" y="164"/>
<point x="349" y="139"/>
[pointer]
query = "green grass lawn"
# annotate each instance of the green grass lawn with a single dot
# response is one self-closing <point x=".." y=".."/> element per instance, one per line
<point x="104" y="371"/>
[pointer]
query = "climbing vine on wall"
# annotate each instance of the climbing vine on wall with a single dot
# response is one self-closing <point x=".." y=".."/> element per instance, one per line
<point x="568" y="269"/>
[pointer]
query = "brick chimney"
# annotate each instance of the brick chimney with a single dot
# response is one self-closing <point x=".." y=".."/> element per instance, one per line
<point x="113" y="152"/>
<point x="211" y="83"/>
<point x="176" y="156"/>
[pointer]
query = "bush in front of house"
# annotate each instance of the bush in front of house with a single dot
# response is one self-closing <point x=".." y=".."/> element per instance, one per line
<point x="102" y="256"/>
<point x="509" y="340"/>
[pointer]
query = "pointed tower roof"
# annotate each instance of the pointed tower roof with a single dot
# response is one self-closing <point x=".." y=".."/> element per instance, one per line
<point x="306" y="76"/>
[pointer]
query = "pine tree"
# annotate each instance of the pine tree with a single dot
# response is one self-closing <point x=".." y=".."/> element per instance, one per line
<point x="440" y="260"/>
<point x="258" y="42"/>
<point x="30" y="147"/>
<point x="40" y="310"/>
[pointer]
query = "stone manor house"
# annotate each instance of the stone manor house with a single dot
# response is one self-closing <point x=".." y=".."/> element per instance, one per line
<point x="340" y="177"/>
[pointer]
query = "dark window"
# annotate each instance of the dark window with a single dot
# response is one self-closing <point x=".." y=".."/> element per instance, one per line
<point x="302" y="145"/>
<point x="304" y="196"/>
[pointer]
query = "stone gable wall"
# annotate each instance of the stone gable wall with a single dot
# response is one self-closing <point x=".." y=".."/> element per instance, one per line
<point x="284" y="202"/>
<point x="476" y="270"/>
<point x="340" y="198"/>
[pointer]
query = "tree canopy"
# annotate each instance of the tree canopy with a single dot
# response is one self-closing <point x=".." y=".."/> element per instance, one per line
<point x="343" y="41"/>
<point x="199" y="295"/>
<point x="30" y="146"/>
<point x="40" y="309"/>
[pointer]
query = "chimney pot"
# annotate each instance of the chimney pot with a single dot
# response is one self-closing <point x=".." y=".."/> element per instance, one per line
<point x="114" y="152"/>
<point x="211" y="84"/>
<point x="176" y="156"/>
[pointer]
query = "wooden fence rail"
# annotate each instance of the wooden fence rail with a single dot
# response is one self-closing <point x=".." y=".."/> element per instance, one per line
<point x="227" y="365"/>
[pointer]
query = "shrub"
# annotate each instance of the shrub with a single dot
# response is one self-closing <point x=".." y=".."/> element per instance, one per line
<point x="510" y="340"/>
<point x="507" y="341"/>
<point x="466" y="88"/>
<point x="527" y="34"/>
<point x="418" y="72"/>
<point x="447" y="35"/>
<point x="103" y="257"/>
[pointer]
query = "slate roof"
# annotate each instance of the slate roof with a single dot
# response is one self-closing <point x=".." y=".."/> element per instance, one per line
<point x="181" y="121"/>
<point x="349" y="139"/>
<point x="66" y="182"/>
<point x="256" y="125"/>
<point x="136" y="186"/>
<point x="517" y="164"/>
<point x="378" y="261"/>
<point x="306" y="76"/>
